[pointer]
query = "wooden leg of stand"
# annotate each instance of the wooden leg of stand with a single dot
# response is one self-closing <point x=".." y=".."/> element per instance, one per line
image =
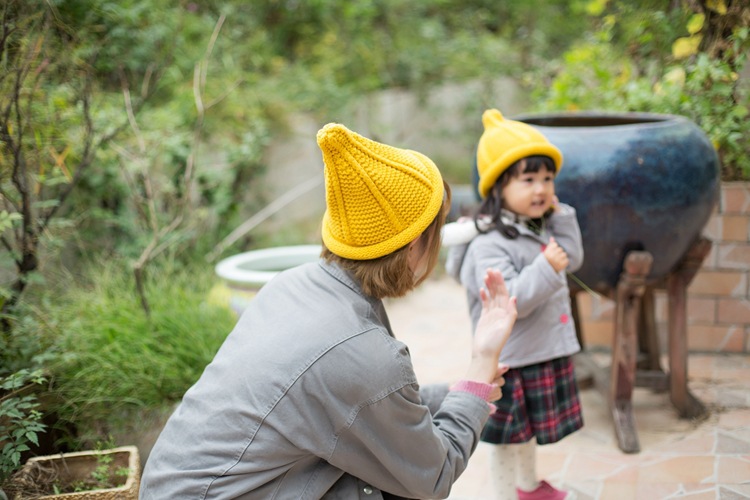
<point x="629" y="292"/>
<point x="650" y="373"/>
<point x="648" y="338"/>
<point x="677" y="282"/>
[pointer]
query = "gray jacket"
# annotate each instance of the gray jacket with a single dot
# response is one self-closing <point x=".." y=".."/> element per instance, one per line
<point x="544" y="329"/>
<point x="311" y="396"/>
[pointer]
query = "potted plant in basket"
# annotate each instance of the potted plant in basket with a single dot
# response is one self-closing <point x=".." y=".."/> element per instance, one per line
<point x="87" y="475"/>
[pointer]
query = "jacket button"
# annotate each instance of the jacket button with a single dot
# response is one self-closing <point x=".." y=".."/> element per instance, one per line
<point x="367" y="490"/>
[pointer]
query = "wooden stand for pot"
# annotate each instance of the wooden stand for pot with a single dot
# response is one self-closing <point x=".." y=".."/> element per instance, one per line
<point x="635" y="350"/>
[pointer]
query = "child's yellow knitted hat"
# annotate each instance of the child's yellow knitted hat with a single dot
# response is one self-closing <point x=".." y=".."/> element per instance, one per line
<point x="378" y="198"/>
<point x="503" y="143"/>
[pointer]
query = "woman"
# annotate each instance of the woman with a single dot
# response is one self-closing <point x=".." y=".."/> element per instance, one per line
<point x="311" y="395"/>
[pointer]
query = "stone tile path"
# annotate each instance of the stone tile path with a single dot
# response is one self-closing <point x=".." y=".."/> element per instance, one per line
<point x="708" y="459"/>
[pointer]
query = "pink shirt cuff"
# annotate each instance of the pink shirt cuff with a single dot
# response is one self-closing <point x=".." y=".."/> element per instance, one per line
<point x="477" y="388"/>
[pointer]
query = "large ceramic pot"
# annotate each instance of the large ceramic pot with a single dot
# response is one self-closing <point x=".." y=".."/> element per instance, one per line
<point x="639" y="181"/>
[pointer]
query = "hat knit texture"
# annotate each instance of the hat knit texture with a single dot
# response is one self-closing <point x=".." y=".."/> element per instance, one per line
<point x="503" y="143"/>
<point x="378" y="198"/>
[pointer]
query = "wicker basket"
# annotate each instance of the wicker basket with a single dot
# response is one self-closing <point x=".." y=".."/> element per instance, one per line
<point x="70" y="467"/>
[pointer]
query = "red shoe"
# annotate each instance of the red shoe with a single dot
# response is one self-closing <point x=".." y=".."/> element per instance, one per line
<point x="544" y="491"/>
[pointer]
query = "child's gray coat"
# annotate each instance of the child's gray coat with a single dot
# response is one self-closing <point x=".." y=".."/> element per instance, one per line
<point x="544" y="329"/>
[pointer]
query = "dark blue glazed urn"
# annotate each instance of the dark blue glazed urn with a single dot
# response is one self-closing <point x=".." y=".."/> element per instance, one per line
<point x="638" y="181"/>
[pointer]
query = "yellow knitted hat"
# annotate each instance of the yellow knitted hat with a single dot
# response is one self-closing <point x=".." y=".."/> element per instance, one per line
<point x="378" y="198"/>
<point x="503" y="143"/>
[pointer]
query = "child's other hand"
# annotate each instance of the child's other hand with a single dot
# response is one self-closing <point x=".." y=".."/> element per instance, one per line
<point x="556" y="256"/>
<point x="498" y="382"/>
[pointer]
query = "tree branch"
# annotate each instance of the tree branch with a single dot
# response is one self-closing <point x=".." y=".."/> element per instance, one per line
<point x="160" y="240"/>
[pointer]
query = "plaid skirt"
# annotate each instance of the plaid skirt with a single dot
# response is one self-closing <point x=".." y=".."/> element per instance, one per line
<point x="538" y="400"/>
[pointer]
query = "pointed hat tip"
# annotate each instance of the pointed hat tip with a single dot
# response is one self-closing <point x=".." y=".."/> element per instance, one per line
<point x="329" y="131"/>
<point x="492" y="117"/>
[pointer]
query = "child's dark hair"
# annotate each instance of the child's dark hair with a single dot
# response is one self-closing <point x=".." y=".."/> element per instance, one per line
<point x="493" y="203"/>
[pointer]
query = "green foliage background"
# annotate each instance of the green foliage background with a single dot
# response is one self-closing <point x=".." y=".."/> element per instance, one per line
<point x="631" y="61"/>
<point x="178" y="101"/>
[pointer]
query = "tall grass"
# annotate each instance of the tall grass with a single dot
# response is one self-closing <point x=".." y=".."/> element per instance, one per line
<point x="116" y="361"/>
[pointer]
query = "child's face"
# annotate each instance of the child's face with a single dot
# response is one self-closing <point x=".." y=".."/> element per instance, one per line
<point x="530" y="193"/>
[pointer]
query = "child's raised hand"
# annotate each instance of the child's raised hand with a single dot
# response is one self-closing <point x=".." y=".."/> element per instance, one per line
<point x="493" y="328"/>
<point x="556" y="256"/>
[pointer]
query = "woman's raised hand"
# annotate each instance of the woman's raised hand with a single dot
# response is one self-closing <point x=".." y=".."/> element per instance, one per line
<point x="493" y="328"/>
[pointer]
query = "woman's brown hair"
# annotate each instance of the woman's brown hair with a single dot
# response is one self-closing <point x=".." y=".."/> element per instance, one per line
<point x="390" y="275"/>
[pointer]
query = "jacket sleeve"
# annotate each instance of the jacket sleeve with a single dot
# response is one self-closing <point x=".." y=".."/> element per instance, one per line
<point x="533" y="285"/>
<point x="457" y="236"/>
<point x="433" y="396"/>
<point x="396" y="445"/>
<point x="454" y="260"/>
<point x="563" y="225"/>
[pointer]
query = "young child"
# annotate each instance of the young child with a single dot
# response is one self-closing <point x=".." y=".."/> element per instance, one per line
<point x="523" y="231"/>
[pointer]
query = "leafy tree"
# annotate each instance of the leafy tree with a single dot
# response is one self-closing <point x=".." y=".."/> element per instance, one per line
<point x="680" y="59"/>
<point x="48" y="134"/>
<point x="76" y="77"/>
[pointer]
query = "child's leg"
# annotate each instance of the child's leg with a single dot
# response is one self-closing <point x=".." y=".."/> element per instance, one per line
<point x="529" y="487"/>
<point x="503" y="469"/>
<point x="526" y="465"/>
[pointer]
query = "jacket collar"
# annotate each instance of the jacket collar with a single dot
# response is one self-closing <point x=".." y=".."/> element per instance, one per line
<point x="348" y="280"/>
<point x="341" y="275"/>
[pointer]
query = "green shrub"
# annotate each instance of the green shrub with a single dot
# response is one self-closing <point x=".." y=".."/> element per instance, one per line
<point x="20" y="419"/>
<point x="115" y="361"/>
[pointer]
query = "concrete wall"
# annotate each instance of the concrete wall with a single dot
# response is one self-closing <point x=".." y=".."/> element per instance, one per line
<point x="445" y="125"/>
